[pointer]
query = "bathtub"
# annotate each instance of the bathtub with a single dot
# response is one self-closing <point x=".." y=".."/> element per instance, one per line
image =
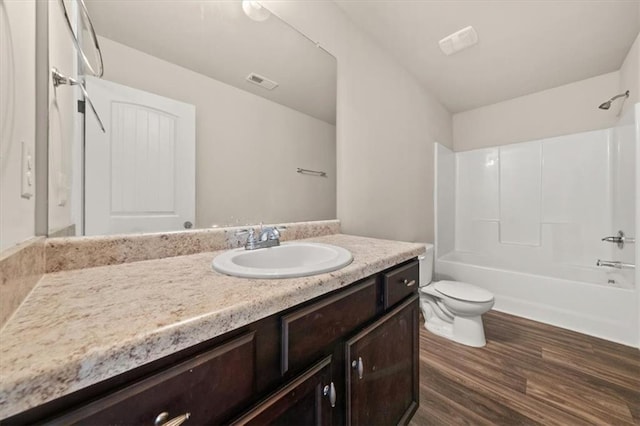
<point x="596" y="301"/>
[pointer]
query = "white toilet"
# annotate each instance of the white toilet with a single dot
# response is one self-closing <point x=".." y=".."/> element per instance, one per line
<point x="452" y="309"/>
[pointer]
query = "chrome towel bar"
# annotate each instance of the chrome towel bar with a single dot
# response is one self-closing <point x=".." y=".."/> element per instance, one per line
<point x="312" y="172"/>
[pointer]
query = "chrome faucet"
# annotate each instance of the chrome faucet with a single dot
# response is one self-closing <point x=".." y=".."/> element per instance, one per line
<point x="269" y="237"/>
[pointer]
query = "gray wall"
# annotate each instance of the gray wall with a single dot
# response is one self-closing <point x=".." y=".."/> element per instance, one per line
<point x="572" y="108"/>
<point x="387" y="125"/>
<point x="563" y="110"/>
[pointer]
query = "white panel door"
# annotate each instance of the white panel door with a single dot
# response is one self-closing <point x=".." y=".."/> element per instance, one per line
<point x="140" y="174"/>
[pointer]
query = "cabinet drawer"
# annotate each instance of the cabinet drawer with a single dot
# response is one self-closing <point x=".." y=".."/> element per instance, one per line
<point x="211" y="387"/>
<point x="400" y="283"/>
<point x="309" y="331"/>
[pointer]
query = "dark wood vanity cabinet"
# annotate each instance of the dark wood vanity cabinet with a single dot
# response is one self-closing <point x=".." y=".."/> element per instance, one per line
<point x="382" y="361"/>
<point x="348" y="357"/>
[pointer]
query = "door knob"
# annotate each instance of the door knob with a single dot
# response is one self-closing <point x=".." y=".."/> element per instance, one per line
<point x="188" y="225"/>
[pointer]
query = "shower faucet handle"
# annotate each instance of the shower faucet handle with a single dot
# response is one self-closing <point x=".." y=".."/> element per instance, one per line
<point x="620" y="239"/>
<point x="612" y="239"/>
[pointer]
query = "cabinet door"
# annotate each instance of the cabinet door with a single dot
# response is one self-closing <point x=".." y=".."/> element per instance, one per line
<point x="382" y="369"/>
<point x="307" y="400"/>
<point x="206" y="389"/>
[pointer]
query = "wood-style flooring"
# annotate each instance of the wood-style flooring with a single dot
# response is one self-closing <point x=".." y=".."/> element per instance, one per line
<point x="529" y="373"/>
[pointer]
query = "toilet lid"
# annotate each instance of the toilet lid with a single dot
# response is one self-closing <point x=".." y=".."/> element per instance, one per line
<point x="463" y="291"/>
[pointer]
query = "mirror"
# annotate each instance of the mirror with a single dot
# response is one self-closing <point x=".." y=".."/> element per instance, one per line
<point x="209" y="116"/>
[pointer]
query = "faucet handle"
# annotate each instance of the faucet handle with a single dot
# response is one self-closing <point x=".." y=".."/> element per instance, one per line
<point x="250" y="231"/>
<point x="277" y="229"/>
<point x="268" y="233"/>
<point x="271" y="232"/>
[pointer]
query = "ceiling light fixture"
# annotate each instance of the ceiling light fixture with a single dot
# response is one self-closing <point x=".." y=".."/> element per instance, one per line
<point x="255" y="10"/>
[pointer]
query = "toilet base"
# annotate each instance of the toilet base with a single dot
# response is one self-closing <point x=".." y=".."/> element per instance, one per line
<point x="440" y="328"/>
<point x="464" y="330"/>
<point x="469" y="331"/>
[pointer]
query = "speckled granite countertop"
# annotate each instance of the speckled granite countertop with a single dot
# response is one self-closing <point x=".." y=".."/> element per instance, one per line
<point x="83" y="326"/>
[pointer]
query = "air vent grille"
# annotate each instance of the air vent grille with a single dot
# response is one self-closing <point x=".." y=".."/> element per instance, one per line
<point x="458" y="41"/>
<point x="262" y="81"/>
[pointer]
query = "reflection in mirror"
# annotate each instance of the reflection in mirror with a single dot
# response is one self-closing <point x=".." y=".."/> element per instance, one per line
<point x="208" y="114"/>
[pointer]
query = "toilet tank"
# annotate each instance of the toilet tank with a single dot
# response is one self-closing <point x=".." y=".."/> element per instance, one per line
<point x="426" y="265"/>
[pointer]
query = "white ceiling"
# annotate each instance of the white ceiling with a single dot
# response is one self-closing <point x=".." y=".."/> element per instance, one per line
<point x="524" y="45"/>
<point x="217" y="39"/>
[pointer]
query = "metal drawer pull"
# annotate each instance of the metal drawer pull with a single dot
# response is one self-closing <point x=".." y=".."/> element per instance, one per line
<point x="330" y="391"/>
<point x="161" y="420"/>
<point x="409" y="283"/>
<point x="358" y="365"/>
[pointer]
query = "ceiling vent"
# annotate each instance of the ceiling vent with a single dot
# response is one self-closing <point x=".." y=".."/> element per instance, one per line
<point x="458" y="41"/>
<point x="262" y="81"/>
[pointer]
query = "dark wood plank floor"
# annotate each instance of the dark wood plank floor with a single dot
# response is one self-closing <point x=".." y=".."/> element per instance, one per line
<point x="529" y="373"/>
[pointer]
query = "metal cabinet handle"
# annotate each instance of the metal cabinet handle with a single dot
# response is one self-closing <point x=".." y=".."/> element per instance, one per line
<point x="358" y="365"/>
<point x="161" y="420"/>
<point x="409" y="283"/>
<point x="330" y="391"/>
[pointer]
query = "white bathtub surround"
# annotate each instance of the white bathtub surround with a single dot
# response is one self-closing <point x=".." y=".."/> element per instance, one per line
<point x="519" y="192"/>
<point x="624" y="179"/>
<point x="529" y="219"/>
<point x="550" y="200"/>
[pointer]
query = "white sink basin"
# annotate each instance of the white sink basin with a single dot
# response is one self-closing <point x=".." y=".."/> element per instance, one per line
<point x="287" y="260"/>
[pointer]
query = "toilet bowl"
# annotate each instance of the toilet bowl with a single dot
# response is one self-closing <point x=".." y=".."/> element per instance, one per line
<point x="452" y="309"/>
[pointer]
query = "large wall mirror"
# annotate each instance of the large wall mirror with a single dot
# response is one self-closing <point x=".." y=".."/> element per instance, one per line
<point x="209" y="111"/>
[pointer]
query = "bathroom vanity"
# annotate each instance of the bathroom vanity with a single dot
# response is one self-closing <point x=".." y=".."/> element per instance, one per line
<point x="336" y="348"/>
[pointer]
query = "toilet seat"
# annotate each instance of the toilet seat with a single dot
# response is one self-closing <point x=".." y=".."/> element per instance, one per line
<point x="463" y="291"/>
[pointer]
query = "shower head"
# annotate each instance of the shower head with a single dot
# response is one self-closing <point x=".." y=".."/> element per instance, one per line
<point x="607" y="105"/>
